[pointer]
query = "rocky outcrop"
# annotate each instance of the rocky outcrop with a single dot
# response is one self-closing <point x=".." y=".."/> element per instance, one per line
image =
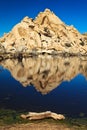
<point x="85" y="37"/>
<point x="45" y="73"/>
<point x="45" y="34"/>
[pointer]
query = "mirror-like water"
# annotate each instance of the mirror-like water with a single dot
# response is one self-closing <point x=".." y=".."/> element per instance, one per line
<point x="44" y="83"/>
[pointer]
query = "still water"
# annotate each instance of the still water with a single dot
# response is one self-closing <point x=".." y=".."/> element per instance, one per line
<point x="44" y="83"/>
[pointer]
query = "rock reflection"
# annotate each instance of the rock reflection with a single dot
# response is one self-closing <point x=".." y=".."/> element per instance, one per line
<point x="45" y="72"/>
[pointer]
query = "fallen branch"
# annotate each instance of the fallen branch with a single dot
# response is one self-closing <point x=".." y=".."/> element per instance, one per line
<point x="42" y="115"/>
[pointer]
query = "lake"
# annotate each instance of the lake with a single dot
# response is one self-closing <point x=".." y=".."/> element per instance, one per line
<point x="45" y="83"/>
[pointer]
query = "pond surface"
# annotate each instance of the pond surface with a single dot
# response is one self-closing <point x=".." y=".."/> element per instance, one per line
<point x="44" y="83"/>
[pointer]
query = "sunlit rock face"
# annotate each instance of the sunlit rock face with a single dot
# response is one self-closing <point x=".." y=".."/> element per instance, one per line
<point x="45" y="33"/>
<point x="45" y="72"/>
<point x="85" y="37"/>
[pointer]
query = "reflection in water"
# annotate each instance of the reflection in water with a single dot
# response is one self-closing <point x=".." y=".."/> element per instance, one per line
<point x="45" y="72"/>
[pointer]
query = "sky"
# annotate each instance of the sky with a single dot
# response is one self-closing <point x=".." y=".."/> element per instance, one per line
<point x="71" y="12"/>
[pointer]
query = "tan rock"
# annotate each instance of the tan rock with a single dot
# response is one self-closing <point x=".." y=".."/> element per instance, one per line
<point x="46" y="32"/>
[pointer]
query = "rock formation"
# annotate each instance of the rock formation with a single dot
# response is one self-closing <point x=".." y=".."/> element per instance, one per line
<point x="85" y="37"/>
<point x="45" y="73"/>
<point x="45" y="34"/>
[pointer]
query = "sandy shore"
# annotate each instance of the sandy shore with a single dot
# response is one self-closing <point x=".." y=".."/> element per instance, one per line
<point x="36" y="126"/>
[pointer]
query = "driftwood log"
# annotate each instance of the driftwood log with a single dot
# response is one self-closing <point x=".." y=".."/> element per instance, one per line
<point x="42" y="115"/>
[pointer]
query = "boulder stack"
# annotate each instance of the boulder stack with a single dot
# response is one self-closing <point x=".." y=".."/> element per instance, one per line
<point x="46" y="33"/>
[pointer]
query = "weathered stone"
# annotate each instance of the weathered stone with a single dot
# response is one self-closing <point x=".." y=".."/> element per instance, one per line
<point x="46" y="32"/>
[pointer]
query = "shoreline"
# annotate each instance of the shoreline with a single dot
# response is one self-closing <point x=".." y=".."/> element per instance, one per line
<point x="48" y="124"/>
<point x="21" y="55"/>
<point x="38" y="126"/>
<point x="11" y="120"/>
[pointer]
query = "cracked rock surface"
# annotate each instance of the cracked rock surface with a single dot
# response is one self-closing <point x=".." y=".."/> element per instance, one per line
<point x="45" y="33"/>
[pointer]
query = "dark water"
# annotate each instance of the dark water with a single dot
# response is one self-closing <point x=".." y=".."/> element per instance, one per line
<point x="44" y="83"/>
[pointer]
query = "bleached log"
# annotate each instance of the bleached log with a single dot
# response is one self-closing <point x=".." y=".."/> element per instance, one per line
<point x="42" y="115"/>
